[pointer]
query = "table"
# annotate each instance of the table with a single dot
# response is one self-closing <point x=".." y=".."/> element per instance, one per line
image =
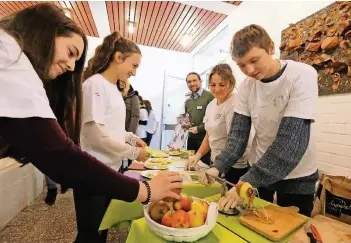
<point x="227" y="229"/>
<point x="119" y="214"/>
<point x="140" y="230"/>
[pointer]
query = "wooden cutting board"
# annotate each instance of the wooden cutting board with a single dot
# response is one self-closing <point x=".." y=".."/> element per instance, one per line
<point x="286" y="220"/>
<point x="331" y="231"/>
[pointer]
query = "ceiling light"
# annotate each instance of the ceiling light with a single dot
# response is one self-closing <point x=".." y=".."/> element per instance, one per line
<point x="68" y="13"/>
<point x="131" y="27"/>
<point x="186" y="40"/>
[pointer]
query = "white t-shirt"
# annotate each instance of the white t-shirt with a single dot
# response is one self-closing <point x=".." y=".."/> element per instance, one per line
<point x="218" y="120"/>
<point x="141" y="130"/>
<point x="22" y="93"/>
<point x="151" y="123"/>
<point x="103" y="103"/>
<point x="293" y="94"/>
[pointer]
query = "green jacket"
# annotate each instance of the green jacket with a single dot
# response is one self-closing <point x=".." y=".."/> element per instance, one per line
<point x="197" y="108"/>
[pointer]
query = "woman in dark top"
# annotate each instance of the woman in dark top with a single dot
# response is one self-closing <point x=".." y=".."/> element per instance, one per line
<point x="51" y="53"/>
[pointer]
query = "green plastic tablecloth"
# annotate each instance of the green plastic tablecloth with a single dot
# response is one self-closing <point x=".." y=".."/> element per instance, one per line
<point x="119" y="214"/>
<point x="140" y="232"/>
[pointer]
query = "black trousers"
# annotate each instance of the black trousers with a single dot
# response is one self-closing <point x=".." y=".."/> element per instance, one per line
<point x="233" y="175"/>
<point x="303" y="202"/>
<point x="194" y="144"/>
<point x="148" y="138"/>
<point x="89" y="213"/>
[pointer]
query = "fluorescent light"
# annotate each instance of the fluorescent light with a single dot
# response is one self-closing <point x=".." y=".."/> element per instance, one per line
<point x="186" y="40"/>
<point x="131" y="17"/>
<point x="68" y="13"/>
<point x="131" y="27"/>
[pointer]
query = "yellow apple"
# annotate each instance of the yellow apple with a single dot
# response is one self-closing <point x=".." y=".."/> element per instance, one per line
<point x="177" y="206"/>
<point x="199" y="206"/>
<point x="196" y="218"/>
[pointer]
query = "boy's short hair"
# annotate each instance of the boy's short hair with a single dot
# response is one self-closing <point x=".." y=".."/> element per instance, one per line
<point x="250" y="36"/>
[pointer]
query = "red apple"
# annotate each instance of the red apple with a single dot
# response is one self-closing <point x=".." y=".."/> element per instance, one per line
<point x="158" y="210"/>
<point x="170" y="199"/>
<point x="185" y="202"/>
<point x="177" y="205"/>
<point x="196" y="218"/>
<point x="180" y="219"/>
<point x="167" y="219"/>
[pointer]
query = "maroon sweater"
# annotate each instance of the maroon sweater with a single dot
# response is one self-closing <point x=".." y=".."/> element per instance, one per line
<point x="47" y="147"/>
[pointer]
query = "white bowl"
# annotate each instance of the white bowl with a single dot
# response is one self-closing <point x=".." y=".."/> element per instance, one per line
<point x="184" y="235"/>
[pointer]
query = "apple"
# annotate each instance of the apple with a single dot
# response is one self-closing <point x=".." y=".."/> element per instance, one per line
<point x="180" y="219"/>
<point x="167" y="219"/>
<point x="185" y="202"/>
<point x="200" y="206"/>
<point x="196" y="218"/>
<point x="177" y="206"/>
<point x="170" y="199"/>
<point x="158" y="210"/>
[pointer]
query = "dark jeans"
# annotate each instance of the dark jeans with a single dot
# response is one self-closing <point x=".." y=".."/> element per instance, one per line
<point x="303" y="202"/>
<point x="233" y="175"/>
<point x="89" y="213"/>
<point x="148" y="138"/>
<point x="194" y="144"/>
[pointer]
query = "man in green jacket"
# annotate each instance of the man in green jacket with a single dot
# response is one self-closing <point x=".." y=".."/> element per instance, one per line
<point x="196" y="106"/>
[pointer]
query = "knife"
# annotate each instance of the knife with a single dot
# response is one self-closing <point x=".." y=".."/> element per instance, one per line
<point x="313" y="234"/>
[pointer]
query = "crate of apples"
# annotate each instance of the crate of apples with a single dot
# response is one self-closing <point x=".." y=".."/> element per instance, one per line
<point x="187" y="219"/>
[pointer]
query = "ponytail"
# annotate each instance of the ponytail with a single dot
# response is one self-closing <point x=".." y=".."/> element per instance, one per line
<point x="104" y="53"/>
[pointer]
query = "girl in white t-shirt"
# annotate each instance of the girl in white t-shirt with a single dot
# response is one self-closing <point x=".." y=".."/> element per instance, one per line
<point x="217" y="120"/>
<point x="103" y="118"/>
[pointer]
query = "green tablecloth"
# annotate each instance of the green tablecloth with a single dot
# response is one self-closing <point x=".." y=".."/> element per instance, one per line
<point x="119" y="214"/>
<point x="140" y="232"/>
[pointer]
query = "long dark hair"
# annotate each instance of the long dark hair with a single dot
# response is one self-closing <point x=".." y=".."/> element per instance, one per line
<point x="104" y="53"/>
<point x="36" y="28"/>
<point x="148" y="106"/>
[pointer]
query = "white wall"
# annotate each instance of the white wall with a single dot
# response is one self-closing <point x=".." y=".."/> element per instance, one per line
<point x="334" y="116"/>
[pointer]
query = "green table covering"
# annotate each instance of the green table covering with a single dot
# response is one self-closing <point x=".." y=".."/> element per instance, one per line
<point x="140" y="232"/>
<point x="119" y="214"/>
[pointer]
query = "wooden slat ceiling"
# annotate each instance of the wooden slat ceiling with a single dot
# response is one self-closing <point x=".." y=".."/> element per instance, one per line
<point x="236" y="3"/>
<point x="80" y="12"/>
<point x="162" y="24"/>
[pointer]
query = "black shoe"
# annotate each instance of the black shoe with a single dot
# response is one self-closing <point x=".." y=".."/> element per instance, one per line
<point x="64" y="189"/>
<point x="51" y="196"/>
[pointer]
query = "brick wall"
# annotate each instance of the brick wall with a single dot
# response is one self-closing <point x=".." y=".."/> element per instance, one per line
<point x="333" y="134"/>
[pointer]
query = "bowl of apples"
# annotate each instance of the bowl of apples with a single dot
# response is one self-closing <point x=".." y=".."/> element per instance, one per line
<point x="185" y="220"/>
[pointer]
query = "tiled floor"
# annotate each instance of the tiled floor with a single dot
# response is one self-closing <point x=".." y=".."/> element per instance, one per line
<point x="40" y="223"/>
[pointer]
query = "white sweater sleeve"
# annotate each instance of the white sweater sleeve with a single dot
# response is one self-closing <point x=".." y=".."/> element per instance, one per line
<point x="131" y="138"/>
<point x="99" y="140"/>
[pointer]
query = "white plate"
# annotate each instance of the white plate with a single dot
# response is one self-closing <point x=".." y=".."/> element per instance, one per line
<point x="155" y="166"/>
<point x="149" y="173"/>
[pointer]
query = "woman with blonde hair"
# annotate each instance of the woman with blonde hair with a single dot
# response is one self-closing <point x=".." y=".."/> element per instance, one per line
<point x="217" y="120"/>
